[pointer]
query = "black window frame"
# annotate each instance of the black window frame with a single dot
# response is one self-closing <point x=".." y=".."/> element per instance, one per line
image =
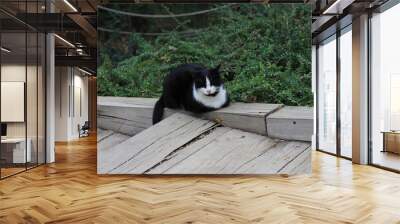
<point x="29" y="29"/>
<point x="339" y="28"/>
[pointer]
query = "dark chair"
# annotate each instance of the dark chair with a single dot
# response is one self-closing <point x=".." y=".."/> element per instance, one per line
<point x="84" y="130"/>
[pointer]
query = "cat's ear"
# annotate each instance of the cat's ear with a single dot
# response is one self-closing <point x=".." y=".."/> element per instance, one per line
<point x="215" y="70"/>
<point x="229" y="76"/>
<point x="218" y="67"/>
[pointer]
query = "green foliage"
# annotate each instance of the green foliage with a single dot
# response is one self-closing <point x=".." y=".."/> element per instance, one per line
<point x="265" y="52"/>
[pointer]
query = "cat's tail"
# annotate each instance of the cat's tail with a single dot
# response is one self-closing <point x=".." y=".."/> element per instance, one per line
<point x="158" y="111"/>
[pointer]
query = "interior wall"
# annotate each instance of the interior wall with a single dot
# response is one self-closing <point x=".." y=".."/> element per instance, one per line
<point x="80" y="109"/>
<point x="71" y="102"/>
<point x="62" y="80"/>
<point x="16" y="73"/>
<point x="33" y="126"/>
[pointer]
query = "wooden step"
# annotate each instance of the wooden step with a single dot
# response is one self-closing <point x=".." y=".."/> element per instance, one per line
<point x="291" y="123"/>
<point x="183" y="144"/>
<point x="129" y="116"/>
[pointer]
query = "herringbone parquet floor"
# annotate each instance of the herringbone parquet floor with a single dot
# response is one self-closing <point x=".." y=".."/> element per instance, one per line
<point x="70" y="191"/>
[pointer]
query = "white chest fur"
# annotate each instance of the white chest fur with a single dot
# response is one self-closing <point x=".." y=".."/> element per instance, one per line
<point x="215" y="102"/>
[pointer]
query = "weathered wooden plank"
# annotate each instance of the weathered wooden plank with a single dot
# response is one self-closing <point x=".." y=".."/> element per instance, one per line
<point x="245" y="116"/>
<point x="275" y="158"/>
<point x="224" y="154"/>
<point x="250" y="109"/>
<point x="106" y="143"/>
<point x="144" y="150"/>
<point x="132" y="115"/>
<point x="182" y="144"/>
<point x="126" y="115"/>
<point x="112" y="140"/>
<point x="127" y="101"/>
<point x="101" y="134"/>
<point x="300" y="165"/>
<point x="124" y="126"/>
<point x="181" y="155"/>
<point x="291" y="123"/>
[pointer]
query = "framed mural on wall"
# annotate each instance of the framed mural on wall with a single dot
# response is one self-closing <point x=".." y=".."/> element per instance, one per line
<point x="204" y="89"/>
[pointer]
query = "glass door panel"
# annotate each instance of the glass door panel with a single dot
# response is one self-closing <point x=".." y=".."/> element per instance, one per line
<point x="385" y="89"/>
<point x="14" y="154"/>
<point x="327" y="95"/>
<point x="32" y="99"/>
<point x="346" y="93"/>
<point x="22" y="77"/>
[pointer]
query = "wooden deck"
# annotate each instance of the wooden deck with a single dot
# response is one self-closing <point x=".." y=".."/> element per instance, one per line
<point x="183" y="144"/>
<point x="129" y="116"/>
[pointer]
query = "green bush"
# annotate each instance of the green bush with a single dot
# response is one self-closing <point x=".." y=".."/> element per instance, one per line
<point x="265" y="52"/>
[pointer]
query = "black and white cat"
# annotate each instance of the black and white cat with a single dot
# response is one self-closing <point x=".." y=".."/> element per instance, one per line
<point x="193" y="88"/>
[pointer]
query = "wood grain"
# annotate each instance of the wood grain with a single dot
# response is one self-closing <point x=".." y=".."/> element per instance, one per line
<point x="300" y="164"/>
<point x="130" y="115"/>
<point x="181" y="156"/>
<point x="291" y="123"/>
<point x="101" y="134"/>
<point x="106" y="141"/>
<point x="149" y="147"/>
<point x="225" y="154"/>
<point x="277" y="157"/>
<point x="182" y="144"/>
<point x="245" y="116"/>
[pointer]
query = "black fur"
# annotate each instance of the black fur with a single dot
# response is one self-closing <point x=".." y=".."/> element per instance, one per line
<point x="158" y="111"/>
<point x="178" y="89"/>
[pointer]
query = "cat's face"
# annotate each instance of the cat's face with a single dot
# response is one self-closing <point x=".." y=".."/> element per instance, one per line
<point x="208" y="82"/>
